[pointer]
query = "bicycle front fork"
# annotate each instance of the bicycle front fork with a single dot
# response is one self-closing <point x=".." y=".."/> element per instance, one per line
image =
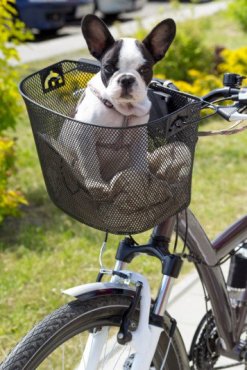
<point x="145" y="338"/>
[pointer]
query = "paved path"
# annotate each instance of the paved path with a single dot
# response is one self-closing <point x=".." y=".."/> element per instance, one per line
<point x="187" y="306"/>
<point x="31" y="52"/>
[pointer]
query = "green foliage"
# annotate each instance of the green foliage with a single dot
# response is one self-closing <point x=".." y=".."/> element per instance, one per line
<point x="201" y="83"/>
<point x="188" y="57"/>
<point x="12" y="33"/>
<point x="11" y="29"/>
<point x="9" y="199"/>
<point x="187" y="51"/>
<point x="238" y="9"/>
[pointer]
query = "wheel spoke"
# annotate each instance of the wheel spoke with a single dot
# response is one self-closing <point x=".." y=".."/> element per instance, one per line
<point x="63" y="357"/>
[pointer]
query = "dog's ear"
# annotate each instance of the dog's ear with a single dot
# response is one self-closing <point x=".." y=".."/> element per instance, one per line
<point x="160" y="38"/>
<point x="97" y="35"/>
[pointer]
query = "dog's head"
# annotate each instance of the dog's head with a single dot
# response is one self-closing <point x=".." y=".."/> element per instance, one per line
<point x="127" y="64"/>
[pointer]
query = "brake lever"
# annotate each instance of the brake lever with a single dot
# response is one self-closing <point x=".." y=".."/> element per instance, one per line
<point x="236" y="116"/>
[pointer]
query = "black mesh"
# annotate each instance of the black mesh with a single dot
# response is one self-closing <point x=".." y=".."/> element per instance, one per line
<point x="121" y="180"/>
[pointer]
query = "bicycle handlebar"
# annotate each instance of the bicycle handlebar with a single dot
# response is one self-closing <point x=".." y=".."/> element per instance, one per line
<point x="232" y="112"/>
<point x="224" y="92"/>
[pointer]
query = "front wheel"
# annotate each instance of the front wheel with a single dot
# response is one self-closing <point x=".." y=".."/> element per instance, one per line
<point x="58" y="342"/>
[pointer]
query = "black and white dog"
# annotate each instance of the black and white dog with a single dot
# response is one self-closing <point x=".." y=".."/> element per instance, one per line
<point x="117" y="95"/>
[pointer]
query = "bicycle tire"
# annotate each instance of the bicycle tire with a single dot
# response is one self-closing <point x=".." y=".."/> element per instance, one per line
<point x="76" y="318"/>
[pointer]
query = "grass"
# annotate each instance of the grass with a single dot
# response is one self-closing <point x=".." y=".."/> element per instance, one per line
<point x="44" y="250"/>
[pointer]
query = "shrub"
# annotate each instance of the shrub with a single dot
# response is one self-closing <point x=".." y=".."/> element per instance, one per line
<point x="234" y="61"/>
<point x="12" y="32"/>
<point x="9" y="199"/>
<point x="11" y="29"/>
<point x="187" y="51"/>
<point x="201" y="83"/>
<point x="238" y="9"/>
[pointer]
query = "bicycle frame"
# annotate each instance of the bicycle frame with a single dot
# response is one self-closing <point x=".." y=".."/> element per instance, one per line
<point x="229" y="321"/>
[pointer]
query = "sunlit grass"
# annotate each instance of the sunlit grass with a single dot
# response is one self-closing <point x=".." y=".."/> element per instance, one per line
<point x="219" y="183"/>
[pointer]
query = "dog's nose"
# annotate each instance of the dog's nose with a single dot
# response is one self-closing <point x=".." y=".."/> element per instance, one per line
<point x="126" y="81"/>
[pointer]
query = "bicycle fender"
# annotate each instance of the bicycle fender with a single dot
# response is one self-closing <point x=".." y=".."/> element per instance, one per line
<point x="86" y="291"/>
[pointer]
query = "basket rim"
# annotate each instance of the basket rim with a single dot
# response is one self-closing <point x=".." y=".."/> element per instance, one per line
<point x="94" y="63"/>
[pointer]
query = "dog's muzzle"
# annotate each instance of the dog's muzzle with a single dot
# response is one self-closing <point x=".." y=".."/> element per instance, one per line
<point x="126" y="83"/>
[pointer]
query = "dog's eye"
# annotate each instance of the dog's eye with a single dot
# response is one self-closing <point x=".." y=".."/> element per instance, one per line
<point x="144" y="69"/>
<point x="109" y="68"/>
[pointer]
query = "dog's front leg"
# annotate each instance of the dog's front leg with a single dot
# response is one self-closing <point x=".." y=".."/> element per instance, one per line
<point x="80" y="141"/>
<point x="139" y="147"/>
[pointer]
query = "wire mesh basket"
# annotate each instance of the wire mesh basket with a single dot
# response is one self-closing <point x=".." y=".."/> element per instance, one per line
<point x="120" y="180"/>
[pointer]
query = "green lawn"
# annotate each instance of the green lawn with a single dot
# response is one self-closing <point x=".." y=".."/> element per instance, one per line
<point x="45" y="251"/>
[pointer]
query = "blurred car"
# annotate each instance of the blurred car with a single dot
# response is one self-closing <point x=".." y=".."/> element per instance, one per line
<point x="115" y="7"/>
<point x="195" y="1"/>
<point x="48" y="16"/>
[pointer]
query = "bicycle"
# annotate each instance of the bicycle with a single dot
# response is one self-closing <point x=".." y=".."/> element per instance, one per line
<point x="119" y="323"/>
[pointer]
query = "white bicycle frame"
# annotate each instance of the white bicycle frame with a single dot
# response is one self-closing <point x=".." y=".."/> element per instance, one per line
<point x="144" y="339"/>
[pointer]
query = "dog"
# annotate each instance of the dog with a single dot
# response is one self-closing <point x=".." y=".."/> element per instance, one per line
<point x="116" y="97"/>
